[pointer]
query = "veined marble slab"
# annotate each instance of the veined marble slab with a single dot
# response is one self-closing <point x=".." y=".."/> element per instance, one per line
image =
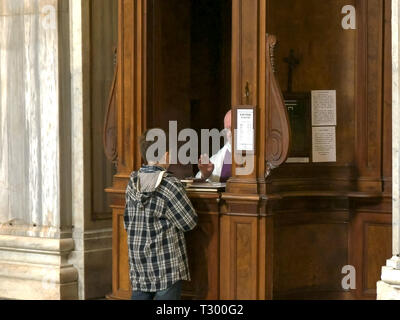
<point x="29" y="112"/>
<point x="396" y="125"/>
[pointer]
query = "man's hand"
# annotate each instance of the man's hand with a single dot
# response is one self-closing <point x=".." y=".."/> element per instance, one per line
<point x="205" y="166"/>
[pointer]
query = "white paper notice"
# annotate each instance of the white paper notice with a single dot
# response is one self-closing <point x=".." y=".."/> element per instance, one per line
<point x="324" y="108"/>
<point x="324" y="144"/>
<point x="245" y="130"/>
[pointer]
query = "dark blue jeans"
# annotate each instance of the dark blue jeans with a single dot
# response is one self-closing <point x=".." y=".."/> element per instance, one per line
<point x="172" y="293"/>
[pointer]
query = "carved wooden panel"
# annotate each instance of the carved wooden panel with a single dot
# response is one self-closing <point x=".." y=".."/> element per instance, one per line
<point x="123" y="263"/>
<point x="378" y="248"/>
<point x="277" y="122"/>
<point x="110" y="122"/>
<point x="203" y="260"/>
<point x="369" y="90"/>
<point x="239" y="250"/>
<point x="203" y="249"/>
<point x="242" y="241"/>
<point x="309" y="257"/>
<point x="387" y="100"/>
<point x="370" y="244"/>
<point x="120" y="265"/>
<point x="310" y="236"/>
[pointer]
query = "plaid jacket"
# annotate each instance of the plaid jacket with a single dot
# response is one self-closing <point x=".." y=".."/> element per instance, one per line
<point x="157" y="214"/>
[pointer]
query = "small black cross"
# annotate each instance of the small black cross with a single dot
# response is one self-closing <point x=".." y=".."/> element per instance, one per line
<point x="292" y="62"/>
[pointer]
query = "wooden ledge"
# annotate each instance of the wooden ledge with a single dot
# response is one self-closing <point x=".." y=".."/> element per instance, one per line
<point x="324" y="194"/>
<point x="115" y="191"/>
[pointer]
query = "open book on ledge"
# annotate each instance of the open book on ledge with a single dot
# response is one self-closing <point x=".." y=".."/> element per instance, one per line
<point x="197" y="186"/>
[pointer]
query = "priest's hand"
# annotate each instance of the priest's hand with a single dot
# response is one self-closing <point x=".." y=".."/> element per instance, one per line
<point x="206" y="167"/>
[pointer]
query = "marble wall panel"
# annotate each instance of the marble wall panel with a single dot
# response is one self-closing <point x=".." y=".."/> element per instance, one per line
<point x="29" y="112"/>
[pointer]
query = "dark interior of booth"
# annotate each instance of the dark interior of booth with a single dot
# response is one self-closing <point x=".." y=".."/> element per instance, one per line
<point x="189" y="67"/>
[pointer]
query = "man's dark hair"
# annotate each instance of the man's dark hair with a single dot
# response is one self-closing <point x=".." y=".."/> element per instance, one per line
<point x="144" y="145"/>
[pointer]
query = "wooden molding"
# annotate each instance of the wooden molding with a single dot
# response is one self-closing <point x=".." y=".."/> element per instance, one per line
<point x="369" y="84"/>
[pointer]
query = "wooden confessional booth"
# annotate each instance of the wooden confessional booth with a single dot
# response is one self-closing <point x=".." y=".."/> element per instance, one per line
<point x="286" y="230"/>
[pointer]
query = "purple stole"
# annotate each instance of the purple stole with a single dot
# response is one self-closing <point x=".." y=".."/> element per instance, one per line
<point x="226" y="171"/>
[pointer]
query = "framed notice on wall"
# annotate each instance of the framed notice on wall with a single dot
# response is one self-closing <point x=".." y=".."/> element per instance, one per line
<point x="245" y="119"/>
<point x="324" y="144"/>
<point x="324" y="121"/>
<point x="323" y="104"/>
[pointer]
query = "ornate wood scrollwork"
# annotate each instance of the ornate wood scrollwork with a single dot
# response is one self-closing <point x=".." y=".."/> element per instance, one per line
<point x="110" y="122"/>
<point x="278" y="127"/>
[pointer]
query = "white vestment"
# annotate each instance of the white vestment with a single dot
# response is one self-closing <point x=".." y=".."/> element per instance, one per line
<point x="218" y="161"/>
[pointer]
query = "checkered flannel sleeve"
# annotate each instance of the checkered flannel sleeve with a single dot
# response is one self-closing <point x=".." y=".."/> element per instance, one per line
<point x="127" y="198"/>
<point x="181" y="212"/>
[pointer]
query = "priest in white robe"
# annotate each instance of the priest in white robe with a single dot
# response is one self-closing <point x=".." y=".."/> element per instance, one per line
<point x="219" y="167"/>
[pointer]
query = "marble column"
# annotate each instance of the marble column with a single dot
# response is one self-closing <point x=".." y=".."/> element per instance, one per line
<point x="92" y="255"/>
<point x="389" y="286"/>
<point x="35" y="168"/>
